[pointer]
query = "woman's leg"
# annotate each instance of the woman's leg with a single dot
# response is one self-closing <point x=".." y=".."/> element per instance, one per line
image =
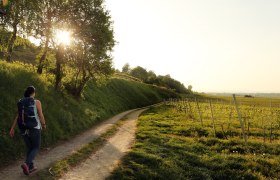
<point x="28" y="145"/>
<point x="35" y="141"/>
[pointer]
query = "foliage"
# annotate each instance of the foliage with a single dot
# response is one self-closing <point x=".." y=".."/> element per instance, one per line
<point x="42" y="27"/>
<point x="151" y="78"/>
<point x="92" y="41"/>
<point x="171" y="83"/>
<point x="126" y="68"/>
<point x="89" y="55"/>
<point x="92" y="38"/>
<point x="19" y="13"/>
<point x="126" y="76"/>
<point x="139" y="73"/>
<point x="5" y="36"/>
<point x="23" y="50"/>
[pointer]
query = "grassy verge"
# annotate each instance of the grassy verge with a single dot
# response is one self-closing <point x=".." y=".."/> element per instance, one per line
<point x="60" y="167"/>
<point x="171" y="145"/>
<point x="65" y="116"/>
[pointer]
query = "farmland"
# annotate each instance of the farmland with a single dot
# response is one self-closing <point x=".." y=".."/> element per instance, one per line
<point x="202" y="139"/>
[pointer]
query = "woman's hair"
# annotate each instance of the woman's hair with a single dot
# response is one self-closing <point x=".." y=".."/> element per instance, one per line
<point x="29" y="91"/>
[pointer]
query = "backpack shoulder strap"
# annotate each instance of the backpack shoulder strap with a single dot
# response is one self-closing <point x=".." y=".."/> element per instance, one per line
<point x="20" y="105"/>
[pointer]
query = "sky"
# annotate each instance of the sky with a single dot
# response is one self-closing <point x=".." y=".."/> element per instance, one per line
<point x="213" y="45"/>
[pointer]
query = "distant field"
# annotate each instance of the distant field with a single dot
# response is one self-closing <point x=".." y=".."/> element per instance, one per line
<point x="267" y="95"/>
<point x="254" y="100"/>
<point x="174" y="142"/>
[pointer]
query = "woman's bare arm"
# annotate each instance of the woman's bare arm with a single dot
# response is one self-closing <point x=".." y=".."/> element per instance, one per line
<point x="40" y="113"/>
<point x="12" y="130"/>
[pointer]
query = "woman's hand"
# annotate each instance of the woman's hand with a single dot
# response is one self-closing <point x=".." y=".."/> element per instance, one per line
<point x="12" y="132"/>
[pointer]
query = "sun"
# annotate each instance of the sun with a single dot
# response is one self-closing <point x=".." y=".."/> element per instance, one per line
<point x="63" y="37"/>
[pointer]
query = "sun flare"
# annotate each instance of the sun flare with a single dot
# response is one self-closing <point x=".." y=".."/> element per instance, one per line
<point x="63" y="37"/>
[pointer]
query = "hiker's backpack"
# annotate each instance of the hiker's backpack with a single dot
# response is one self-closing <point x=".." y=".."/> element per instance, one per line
<point x="26" y="113"/>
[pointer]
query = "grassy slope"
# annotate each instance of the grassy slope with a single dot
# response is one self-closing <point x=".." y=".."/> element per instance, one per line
<point x="169" y="144"/>
<point x="65" y="116"/>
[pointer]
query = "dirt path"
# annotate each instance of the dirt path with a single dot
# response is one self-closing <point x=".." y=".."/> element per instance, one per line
<point x="45" y="158"/>
<point x="103" y="162"/>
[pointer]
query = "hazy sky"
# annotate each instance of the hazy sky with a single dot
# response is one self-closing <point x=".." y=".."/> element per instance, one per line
<point x="214" y="45"/>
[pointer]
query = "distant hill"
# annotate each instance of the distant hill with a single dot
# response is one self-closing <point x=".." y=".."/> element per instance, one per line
<point x="275" y="95"/>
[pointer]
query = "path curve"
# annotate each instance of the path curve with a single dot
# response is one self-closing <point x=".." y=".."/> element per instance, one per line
<point x="45" y="158"/>
<point x="100" y="164"/>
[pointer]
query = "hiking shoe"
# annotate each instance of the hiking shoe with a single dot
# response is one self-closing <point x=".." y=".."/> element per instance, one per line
<point x="25" y="169"/>
<point x="31" y="170"/>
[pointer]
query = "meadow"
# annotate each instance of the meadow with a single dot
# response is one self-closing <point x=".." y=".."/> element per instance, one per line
<point x="187" y="139"/>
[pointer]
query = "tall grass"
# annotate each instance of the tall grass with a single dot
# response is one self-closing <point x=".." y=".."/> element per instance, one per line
<point x="65" y="116"/>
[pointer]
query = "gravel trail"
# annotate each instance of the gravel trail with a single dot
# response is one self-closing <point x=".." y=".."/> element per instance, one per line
<point x="100" y="164"/>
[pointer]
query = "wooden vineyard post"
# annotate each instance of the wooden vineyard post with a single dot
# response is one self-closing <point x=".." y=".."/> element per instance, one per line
<point x="189" y="105"/>
<point x="212" y="116"/>
<point x="178" y="105"/>
<point x="229" y="120"/>
<point x="271" y="124"/>
<point x="224" y="134"/>
<point x="199" y="112"/>
<point x="240" y="119"/>
<point x="190" y="109"/>
<point x="186" y="108"/>
<point x="166" y="102"/>
<point x="248" y="128"/>
<point x="253" y="113"/>
<point x="270" y="137"/>
<point x="264" y="133"/>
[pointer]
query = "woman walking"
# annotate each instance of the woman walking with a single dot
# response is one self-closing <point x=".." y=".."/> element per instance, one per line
<point x="30" y="120"/>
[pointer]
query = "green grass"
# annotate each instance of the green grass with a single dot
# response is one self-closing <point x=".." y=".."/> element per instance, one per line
<point x="65" y="116"/>
<point x="171" y="145"/>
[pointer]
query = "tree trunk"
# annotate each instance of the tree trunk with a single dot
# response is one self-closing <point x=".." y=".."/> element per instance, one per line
<point x="58" y="73"/>
<point x="11" y="43"/>
<point x="79" y="91"/>
<point x="43" y="57"/>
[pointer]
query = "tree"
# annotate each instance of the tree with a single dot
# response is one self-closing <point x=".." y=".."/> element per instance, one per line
<point x="139" y="73"/>
<point x="89" y="55"/>
<point x="4" y="40"/>
<point x="50" y="16"/>
<point x="58" y="71"/>
<point x="171" y="83"/>
<point x="42" y="28"/>
<point x="190" y="88"/>
<point x="3" y="7"/>
<point x="152" y="78"/>
<point x="18" y="14"/>
<point x="126" y="68"/>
